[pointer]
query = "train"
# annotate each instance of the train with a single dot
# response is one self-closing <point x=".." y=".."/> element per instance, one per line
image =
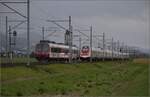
<point x="50" y="51"/>
<point x="87" y="53"/>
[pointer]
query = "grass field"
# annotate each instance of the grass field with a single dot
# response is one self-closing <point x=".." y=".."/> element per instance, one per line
<point x="16" y="60"/>
<point x="128" y="78"/>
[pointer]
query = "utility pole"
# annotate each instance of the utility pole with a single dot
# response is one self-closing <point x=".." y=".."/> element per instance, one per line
<point x="118" y="48"/>
<point x="14" y="36"/>
<point x="79" y="46"/>
<point x="122" y="50"/>
<point x="1" y="35"/>
<point x="91" y="44"/>
<point x="80" y="39"/>
<point x="103" y="46"/>
<point x="28" y="32"/>
<point x="126" y="51"/>
<point x="43" y="33"/>
<point x="10" y="43"/>
<point x="70" y="40"/>
<point x="114" y="48"/>
<point x="13" y="10"/>
<point x="112" y="44"/>
<point x="6" y="37"/>
<point x="70" y="34"/>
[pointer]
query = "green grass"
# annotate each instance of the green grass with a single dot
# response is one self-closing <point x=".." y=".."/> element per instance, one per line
<point x="16" y="60"/>
<point x="88" y="79"/>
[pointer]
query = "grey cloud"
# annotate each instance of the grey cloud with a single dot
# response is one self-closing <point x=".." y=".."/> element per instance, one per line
<point x="127" y="21"/>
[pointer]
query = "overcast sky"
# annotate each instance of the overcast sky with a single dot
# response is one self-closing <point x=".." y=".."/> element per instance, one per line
<point x="124" y="20"/>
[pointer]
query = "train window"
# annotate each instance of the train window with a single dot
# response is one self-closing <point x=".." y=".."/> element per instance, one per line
<point x="53" y="49"/>
<point x="42" y="47"/>
<point x="66" y="51"/>
<point x="85" y="49"/>
<point x="45" y="47"/>
<point x="56" y="50"/>
<point x="63" y="50"/>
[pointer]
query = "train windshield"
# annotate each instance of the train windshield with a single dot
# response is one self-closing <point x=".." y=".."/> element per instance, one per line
<point x="42" y="47"/>
<point x="85" y="49"/>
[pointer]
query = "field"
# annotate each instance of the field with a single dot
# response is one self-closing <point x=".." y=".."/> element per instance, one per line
<point x="118" y="78"/>
<point x="17" y="60"/>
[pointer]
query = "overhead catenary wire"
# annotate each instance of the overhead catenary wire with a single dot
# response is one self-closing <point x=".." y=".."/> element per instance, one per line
<point x="85" y="35"/>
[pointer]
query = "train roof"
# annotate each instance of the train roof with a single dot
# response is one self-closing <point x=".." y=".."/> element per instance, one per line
<point x="60" y="46"/>
<point x="54" y="44"/>
<point x="47" y="41"/>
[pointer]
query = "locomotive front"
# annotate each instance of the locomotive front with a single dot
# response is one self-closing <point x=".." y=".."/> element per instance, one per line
<point x="85" y="52"/>
<point x="42" y="51"/>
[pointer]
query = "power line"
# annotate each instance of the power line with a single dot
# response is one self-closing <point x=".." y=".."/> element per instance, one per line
<point x="13" y="9"/>
<point x="28" y="22"/>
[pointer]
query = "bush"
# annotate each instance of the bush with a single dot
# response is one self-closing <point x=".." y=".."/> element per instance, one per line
<point x="41" y="90"/>
<point x="86" y="91"/>
<point x="63" y="91"/>
<point x="90" y="86"/>
<point x="41" y="83"/>
<point x="89" y="81"/>
<point x="19" y="94"/>
<point x="78" y="85"/>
